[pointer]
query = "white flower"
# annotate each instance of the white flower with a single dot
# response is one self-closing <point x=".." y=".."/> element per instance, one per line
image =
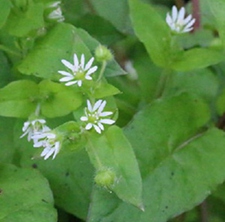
<point x="94" y="116"/>
<point x="177" y="22"/>
<point x="56" y="14"/>
<point x="79" y="71"/>
<point x="49" y="141"/>
<point x="32" y="127"/>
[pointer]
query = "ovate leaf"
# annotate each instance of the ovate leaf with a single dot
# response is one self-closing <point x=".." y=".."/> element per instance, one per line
<point x="18" y="99"/>
<point x="4" y="11"/>
<point x="113" y="152"/>
<point x="25" y="196"/>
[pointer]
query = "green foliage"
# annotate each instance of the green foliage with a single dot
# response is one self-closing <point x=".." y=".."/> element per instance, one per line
<point x="110" y="113"/>
<point x="29" y="199"/>
<point x="107" y="153"/>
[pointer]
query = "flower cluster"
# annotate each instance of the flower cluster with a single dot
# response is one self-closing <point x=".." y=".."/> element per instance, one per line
<point x="79" y="72"/>
<point x="42" y="136"/>
<point x="177" y="21"/>
<point x="56" y="13"/>
<point x="95" y="117"/>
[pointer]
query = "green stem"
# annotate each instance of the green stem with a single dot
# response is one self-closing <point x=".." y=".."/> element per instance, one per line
<point x="102" y="70"/>
<point x="94" y="156"/>
<point x="163" y="83"/>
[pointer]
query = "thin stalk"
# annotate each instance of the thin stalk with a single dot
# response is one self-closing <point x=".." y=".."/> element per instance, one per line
<point x="163" y="83"/>
<point x="102" y="70"/>
<point x="196" y="14"/>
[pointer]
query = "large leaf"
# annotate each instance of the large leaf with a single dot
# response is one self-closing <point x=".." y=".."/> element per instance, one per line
<point x="70" y="174"/>
<point x="117" y="12"/>
<point x="60" y="43"/>
<point x="112" y="152"/>
<point x="25" y="196"/>
<point x="179" y="183"/>
<point x="152" y="30"/>
<point x="176" y="158"/>
<point x="18" y="99"/>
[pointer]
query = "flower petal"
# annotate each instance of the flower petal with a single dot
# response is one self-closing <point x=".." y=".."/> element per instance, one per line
<point x="82" y="61"/>
<point x="92" y="70"/>
<point x="107" y="121"/>
<point x="67" y="64"/>
<point x="88" y="65"/>
<point x="65" y="73"/>
<point x="75" y="60"/>
<point x="97" y="129"/>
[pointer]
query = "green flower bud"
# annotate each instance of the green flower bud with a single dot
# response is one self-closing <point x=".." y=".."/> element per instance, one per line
<point x="103" y="54"/>
<point x="105" y="178"/>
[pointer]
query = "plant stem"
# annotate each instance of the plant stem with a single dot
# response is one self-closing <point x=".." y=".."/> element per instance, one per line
<point x="196" y="13"/>
<point x="163" y="82"/>
<point x="102" y="70"/>
<point x="204" y="212"/>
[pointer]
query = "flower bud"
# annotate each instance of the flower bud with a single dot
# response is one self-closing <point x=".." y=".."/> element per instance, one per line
<point x="103" y="54"/>
<point x="105" y="178"/>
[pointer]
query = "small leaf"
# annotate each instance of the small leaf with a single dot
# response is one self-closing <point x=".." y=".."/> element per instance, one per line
<point x="59" y="100"/>
<point x="27" y="199"/>
<point x="113" y="152"/>
<point x="105" y="90"/>
<point x="18" y="99"/>
<point x="197" y="58"/>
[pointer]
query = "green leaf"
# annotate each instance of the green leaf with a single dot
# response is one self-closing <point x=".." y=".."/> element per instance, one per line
<point x="180" y="182"/>
<point x="7" y="149"/>
<point x="217" y="8"/>
<point x="61" y="43"/>
<point x="70" y="176"/>
<point x="5" y="6"/>
<point x="108" y="9"/>
<point x="18" y="99"/>
<point x="59" y="100"/>
<point x="105" y="90"/>
<point x="21" y="23"/>
<point x="220" y="103"/>
<point x="25" y="196"/>
<point x="112" y="68"/>
<point x="113" y="152"/>
<point x="197" y="58"/>
<point x="153" y="31"/>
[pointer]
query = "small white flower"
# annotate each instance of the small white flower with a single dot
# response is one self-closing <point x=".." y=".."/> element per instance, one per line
<point x="49" y="141"/>
<point x="56" y="13"/>
<point x="177" y="22"/>
<point x="94" y="116"/>
<point x="32" y="127"/>
<point x="79" y="71"/>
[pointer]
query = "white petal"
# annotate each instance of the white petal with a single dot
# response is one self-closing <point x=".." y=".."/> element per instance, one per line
<point x="82" y="61"/>
<point x="107" y="121"/>
<point x="88" y="65"/>
<point x="88" y="77"/>
<point x="101" y="107"/>
<point x="90" y="109"/>
<point x="70" y="83"/>
<point x="168" y="19"/>
<point x="100" y="126"/>
<point x="75" y="60"/>
<point x="65" y="73"/>
<point x="97" y="129"/>
<point x="105" y="114"/>
<point x="97" y="105"/>
<point x="174" y="13"/>
<point x="66" y="79"/>
<point x="88" y="126"/>
<point x="190" y="23"/>
<point x="79" y="83"/>
<point x="187" y="19"/>
<point x="181" y="15"/>
<point x="83" y="118"/>
<point x="92" y="70"/>
<point x="68" y="64"/>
